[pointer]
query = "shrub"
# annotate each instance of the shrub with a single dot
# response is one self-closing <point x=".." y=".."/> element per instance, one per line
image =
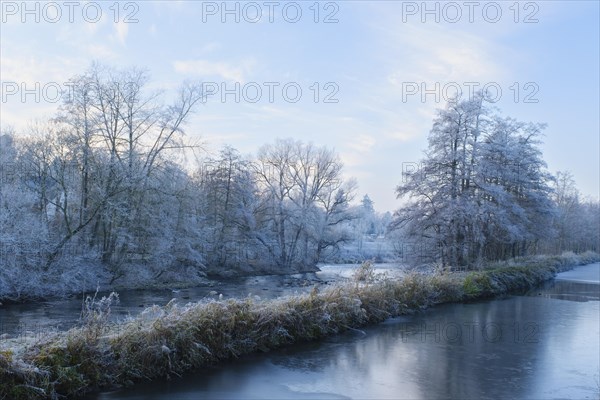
<point x="364" y="273"/>
<point x="477" y="284"/>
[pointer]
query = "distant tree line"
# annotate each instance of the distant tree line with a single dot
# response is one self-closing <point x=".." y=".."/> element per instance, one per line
<point x="102" y="192"/>
<point x="105" y="192"/>
<point x="482" y="192"/>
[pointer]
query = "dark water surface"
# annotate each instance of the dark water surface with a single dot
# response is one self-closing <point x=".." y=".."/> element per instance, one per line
<point x="61" y="314"/>
<point x="544" y="345"/>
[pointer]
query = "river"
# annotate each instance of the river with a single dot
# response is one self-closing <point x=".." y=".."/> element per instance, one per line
<point x="40" y="318"/>
<point x="542" y="345"/>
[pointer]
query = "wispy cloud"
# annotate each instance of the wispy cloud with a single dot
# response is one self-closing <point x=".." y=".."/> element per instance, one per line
<point x="121" y="32"/>
<point x="101" y="52"/>
<point x="362" y="143"/>
<point x="225" y="70"/>
<point x="432" y="54"/>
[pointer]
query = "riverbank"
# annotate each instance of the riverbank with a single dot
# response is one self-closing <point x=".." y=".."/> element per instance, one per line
<point x="165" y="341"/>
<point x="185" y="281"/>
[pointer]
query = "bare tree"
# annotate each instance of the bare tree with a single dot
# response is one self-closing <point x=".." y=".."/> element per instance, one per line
<point x="302" y="192"/>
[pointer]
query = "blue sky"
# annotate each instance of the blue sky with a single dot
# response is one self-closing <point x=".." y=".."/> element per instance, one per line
<point x="368" y="61"/>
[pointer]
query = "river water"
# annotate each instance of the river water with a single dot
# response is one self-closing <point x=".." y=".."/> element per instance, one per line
<point x="543" y="345"/>
<point x="18" y="320"/>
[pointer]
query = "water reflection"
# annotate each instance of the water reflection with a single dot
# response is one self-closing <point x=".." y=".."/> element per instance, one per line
<point x="41" y="318"/>
<point x="533" y="347"/>
<point x="569" y="290"/>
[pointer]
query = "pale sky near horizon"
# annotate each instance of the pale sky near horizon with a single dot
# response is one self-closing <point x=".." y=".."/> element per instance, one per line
<point x="371" y="58"/>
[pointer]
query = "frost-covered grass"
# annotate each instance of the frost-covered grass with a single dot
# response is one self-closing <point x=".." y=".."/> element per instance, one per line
<point x="166" y="341"/>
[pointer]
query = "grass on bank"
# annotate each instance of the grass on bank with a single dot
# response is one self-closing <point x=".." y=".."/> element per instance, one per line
<point x="166" y="341"/>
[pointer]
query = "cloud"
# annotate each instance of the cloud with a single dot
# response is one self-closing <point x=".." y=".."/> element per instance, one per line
<point x="101" y="52"/>
<point x="30" y="69"/>
<point x="362" y="143"/>
<point x="121" y="31"/>
<point x="210" y="47"/>
<point x="205" y="67"/>
<point x="91" y="28"/>
<point x="431" y="54"/>
<point x="437" y="61"/>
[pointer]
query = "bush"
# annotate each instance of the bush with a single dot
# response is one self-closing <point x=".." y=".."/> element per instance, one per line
<point x="364" y="273"/>
<point x="477" y="285"/>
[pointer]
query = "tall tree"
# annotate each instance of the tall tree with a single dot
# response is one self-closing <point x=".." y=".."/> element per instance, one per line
<point x="482" y="190"/>
<point x="303" y="194"/>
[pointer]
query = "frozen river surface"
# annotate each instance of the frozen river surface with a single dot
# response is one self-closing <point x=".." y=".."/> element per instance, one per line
<point x="544" y="345"/>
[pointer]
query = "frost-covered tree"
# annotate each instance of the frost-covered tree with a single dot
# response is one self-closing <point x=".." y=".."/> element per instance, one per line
<point x="516" y="188"/>
<point x="368" y="215"/>
<point x="442" y="213"/>
<point x="123" y="132"/>
<point x="228" y="198"/>
<point x="100" y="178"/>
<point x="576" y="221"/>
<point x="482" y="190"/>
<point x="303" y="200"/>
